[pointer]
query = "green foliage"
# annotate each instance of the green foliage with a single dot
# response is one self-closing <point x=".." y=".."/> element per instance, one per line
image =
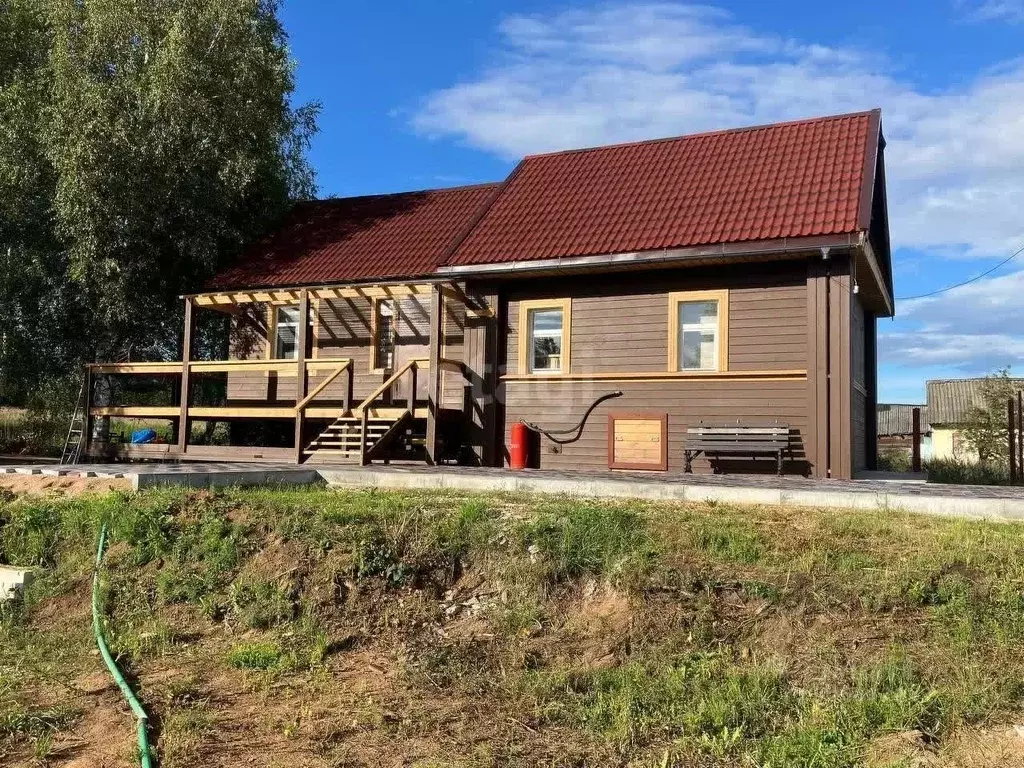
<point x="702" y="697"/>
<point x="963" y="472"/>
<point x="37" y="432"/>
<point x="749" y="636"/>
<point x="985" y="429"/>
<point x="31" y="534"/>
<point x="728" y="540"/>
<point x="255" y="656"/>
<point x="576" y="539"/>
<point x="260" y="604"/>
<point x="894" y="460"/>
<point x="18" y="721"/>
<point x="142" y="145"/>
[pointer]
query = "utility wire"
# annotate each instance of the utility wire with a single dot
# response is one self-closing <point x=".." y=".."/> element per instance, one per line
<point x="974" y="279"/>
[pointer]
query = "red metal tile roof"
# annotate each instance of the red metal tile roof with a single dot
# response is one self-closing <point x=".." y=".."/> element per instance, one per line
<point x="402" y="235"/>
<point x="786" y="180"/>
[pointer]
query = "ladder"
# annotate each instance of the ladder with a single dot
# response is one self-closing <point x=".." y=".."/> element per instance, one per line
<point x="76" y="431"/>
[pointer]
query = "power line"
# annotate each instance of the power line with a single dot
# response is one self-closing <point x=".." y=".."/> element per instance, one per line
<point x="974" y="279"/>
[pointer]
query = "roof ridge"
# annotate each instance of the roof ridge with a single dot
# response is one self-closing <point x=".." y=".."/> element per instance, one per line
<point x="478" y="216"/>
<point x="346" y="198"/>
<point x="700" y="134"/>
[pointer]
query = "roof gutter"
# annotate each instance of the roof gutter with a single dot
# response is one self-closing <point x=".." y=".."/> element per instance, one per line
<point x="662" y="256"/>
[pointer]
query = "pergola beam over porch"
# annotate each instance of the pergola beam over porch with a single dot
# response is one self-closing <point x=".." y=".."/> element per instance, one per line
<point x="285" y="296"/>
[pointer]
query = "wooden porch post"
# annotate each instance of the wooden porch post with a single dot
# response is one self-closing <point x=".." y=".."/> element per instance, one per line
<point x="87" y="414"/>
<point x="1011" y="439"/>
<point x="434" y="375"/>
<point x="184" y="425"/>
<point x="301" y="382"/>
<point x="915" y="448"/>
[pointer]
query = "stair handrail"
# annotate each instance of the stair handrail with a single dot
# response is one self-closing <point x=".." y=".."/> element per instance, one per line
<point x="407" y="366"/>
<point x="343" y="365"/>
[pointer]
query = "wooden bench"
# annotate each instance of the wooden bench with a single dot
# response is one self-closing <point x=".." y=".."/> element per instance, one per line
<point x="737" y="440"/>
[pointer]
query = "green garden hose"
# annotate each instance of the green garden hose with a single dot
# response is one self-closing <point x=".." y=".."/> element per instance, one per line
<point x="140" y="713"/>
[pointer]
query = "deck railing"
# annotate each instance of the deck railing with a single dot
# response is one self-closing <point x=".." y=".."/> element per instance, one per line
<point x="304" y="407"/>
<point x="333" y="368"/>
<point x="288" y="367"/>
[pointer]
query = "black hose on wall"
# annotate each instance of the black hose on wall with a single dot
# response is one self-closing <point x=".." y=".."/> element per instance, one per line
<point x="576" y="431"/>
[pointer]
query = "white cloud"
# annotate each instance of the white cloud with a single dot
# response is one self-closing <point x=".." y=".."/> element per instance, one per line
<point x="971" y="328"/>
<point x="993" y="10"/>
<point x="955" y="160"/>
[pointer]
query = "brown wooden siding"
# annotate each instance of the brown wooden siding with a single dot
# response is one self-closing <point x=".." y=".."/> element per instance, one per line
<point x="859" y="427"/>
<point x="620" y="325"/>
<point x="859" y="413"/>
<point x="560" y="405"/>
<point x="620" y="322"/>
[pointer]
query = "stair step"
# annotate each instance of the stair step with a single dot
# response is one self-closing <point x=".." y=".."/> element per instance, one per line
<point x="382" y="428"/>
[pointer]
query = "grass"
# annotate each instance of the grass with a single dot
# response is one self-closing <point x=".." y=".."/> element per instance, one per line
<point x="259" y="656"/>
<point x="507" y="630"/>
<point x="31" y="434"/>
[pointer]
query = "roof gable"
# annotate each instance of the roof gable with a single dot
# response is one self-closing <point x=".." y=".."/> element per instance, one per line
<point x="786" y="180"/>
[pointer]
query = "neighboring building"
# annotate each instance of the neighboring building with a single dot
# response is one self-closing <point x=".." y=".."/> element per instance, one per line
<point x="949" y="402"/>
<point x="896" y="428"/>
<point x="720" y="278"/>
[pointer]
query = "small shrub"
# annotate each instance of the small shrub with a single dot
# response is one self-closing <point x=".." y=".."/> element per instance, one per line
<point x="960" y="472"/>
<point x="255" y="656"/>
<point x="894" y="460"/>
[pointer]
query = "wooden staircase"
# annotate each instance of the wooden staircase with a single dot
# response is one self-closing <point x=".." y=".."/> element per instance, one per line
<point x="361" y="434"/>
<point x="345" y="439"/>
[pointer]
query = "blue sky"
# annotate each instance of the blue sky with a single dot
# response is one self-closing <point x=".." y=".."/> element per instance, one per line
<point x="419" y="94"/>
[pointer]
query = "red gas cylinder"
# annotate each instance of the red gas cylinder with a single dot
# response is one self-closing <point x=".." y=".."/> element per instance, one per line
<point x="518" y="449"/>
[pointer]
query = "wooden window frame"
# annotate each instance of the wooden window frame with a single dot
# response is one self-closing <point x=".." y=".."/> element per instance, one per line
<point x="375" y="330"/>
<point x="722" y="341"/>
<point x="662" y="417"/>
<point x="531" y="305"/>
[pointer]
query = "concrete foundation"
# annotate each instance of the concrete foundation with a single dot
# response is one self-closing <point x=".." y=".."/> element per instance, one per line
<point x="868" y="494"/>
<point x="13" y="581"/>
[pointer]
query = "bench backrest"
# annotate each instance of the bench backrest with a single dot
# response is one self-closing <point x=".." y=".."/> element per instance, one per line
<point x="738" y="436"/>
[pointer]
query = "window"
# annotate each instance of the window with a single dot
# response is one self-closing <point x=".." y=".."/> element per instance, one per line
<point x="384" y="334"/>
<point x="698" y="331"/>
<point x="544" y="336"/>
<point x="286" y="333"/>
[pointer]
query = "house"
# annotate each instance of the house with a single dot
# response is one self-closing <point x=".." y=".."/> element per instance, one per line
<point x="895" y="428"/>
<point x="949" y="404"/>
<point x="613" y="296"/>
